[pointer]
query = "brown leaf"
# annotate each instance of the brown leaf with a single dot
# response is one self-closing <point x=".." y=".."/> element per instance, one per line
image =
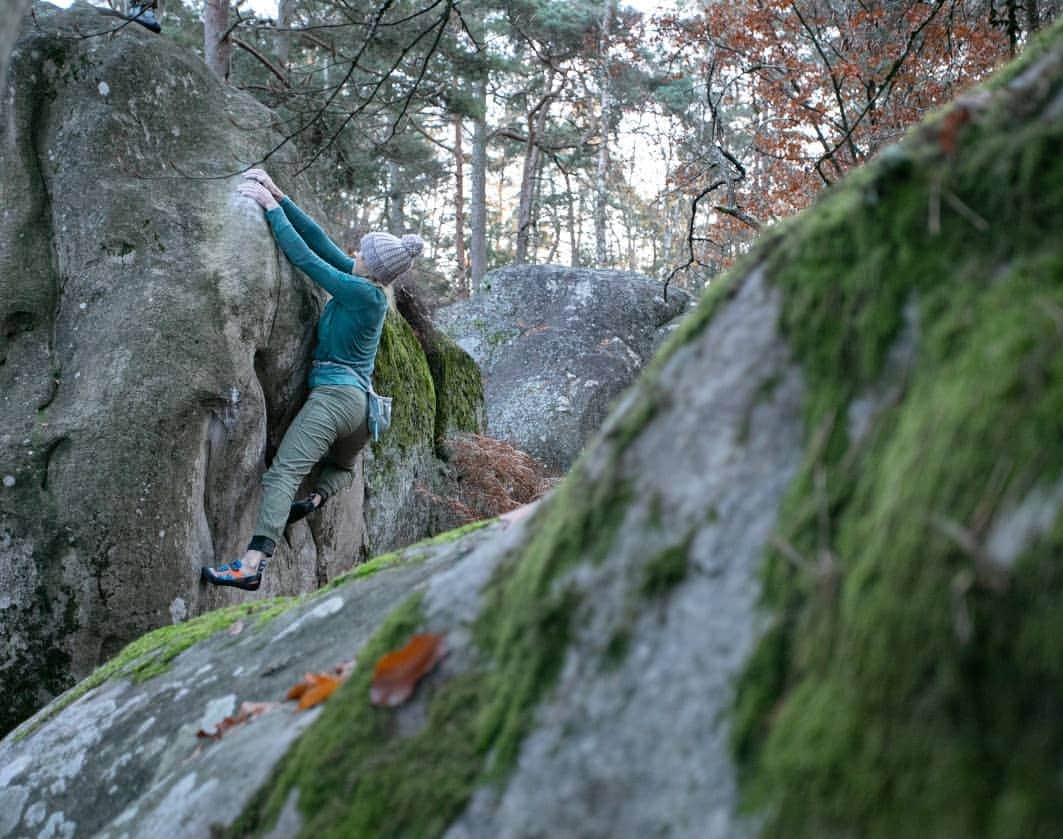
<point x="397" y="672"/>
<point x="318" y="692"/>
<point x="299" y="688"/>
<point x="317" y="687"/>
<point x="247" y="711"/>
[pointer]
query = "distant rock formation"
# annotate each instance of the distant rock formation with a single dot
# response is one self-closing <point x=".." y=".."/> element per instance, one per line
<point x="557" y="346"/>
<point x="154" y="347"/>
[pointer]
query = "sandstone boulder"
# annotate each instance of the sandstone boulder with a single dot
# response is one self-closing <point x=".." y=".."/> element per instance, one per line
<point x="154" y="346"/>
<point x="858" y="429"/>
<point x="556" y="346"/>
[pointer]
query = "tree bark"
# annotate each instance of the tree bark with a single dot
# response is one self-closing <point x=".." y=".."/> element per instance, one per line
<point x="217" y="48"/>
<point x="601" y="197"/>
<point x="536" y="126"/>
<point x="478" y="199"/>
<point x="285" y="13"/>
<point x="396" y="208"/>
<point x="459" y="209"/>
<point x="573" y="244"/>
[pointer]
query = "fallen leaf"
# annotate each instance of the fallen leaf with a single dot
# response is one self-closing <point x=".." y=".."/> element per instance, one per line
<point x="246" y="712"/>
<point x="398" y="672"/>
<point x="317" y="687"/>
<point x="299" y="688"/>
<point x="236" y="628"/>
<point x="318" y="692"/>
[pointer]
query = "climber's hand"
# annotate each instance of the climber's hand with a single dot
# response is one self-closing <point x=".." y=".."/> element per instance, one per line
<point x="257" y="192"/>
<point x="266" y="181"/>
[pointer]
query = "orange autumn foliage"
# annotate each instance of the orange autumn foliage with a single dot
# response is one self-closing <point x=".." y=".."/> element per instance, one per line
<point x="805" y="90"/>
<point x="313" y="689"/>
<point x="398" y="672"/>
<point x="317" y="687"/>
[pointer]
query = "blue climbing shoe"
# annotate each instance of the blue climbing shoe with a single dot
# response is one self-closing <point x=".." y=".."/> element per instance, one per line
<point x="235" y="574"/>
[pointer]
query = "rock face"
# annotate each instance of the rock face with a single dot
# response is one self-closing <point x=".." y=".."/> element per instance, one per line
<point x="10" y="24"/>
<point x="154" y="347"/>
<point x="859" y="428"/>
<point x="556" y="347"/>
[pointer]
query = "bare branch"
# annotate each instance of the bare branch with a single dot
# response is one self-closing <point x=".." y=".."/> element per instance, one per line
<point x="269" y="65"/>
<point x="740" y="214"/>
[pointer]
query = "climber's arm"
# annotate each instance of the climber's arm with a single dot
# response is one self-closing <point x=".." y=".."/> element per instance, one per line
<point x="348" y="289"/>
<point x="315" y="237"/>
<point x="305" y="226"/>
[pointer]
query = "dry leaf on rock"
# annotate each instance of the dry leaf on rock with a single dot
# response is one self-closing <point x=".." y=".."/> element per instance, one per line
<point x="247" y="711"/>
<point x="397" y="672"/>
<point x="317" y="687"/>
<point x="313" y="689"/>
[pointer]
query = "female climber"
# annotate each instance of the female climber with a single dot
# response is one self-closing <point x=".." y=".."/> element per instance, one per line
<point x="332" y="425"/>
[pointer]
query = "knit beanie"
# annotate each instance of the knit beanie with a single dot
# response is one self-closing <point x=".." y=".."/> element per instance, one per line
<point x="388" y="256"/>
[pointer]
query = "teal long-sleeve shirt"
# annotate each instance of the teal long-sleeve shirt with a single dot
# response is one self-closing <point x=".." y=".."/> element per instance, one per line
<point x="348" y="332"/>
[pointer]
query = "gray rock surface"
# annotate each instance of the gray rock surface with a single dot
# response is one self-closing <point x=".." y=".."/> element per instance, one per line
<point x="154" y="345"/>
<point x="641" y="750"/>
<point x="595" y="639"/>
<point x="10" y="24"/>
<point x="126" y="761"/>
<point x="557" y="346"/>
<point x="633" y="750"/>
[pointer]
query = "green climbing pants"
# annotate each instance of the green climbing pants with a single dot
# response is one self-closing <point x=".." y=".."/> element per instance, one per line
<point x="331" y="426"/>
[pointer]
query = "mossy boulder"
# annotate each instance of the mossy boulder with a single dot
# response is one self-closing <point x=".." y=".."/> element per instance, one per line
<point x="154" y="347"/>
<point x="459" y="388"/>
<point x="804" y="581"/>
<point x="910" y="682"/>
<point x="403" y="461"/>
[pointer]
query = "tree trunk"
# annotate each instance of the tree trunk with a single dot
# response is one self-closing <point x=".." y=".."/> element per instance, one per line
<point x="478" y="199"/>
<point x="459" y="210"/>
<point x="536" y="126"/>
<point x="579" y="227"/>
<point x="1033" y="17"/>
<point x="573" y="244"/>
<point x="601" y="253"/>
<point x="285" y="12"/>
<point x="396" y="210"/>
<point x="527" y="190"/>
<point x="217" y="48"/>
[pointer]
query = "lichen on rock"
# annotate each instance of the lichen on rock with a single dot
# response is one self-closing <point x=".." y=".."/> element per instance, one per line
<point x="907" y="686"/>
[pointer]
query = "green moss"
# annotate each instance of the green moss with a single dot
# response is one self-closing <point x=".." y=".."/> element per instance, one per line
<point x="617" y="649"/>
<point x="454" y="534"/>
<point x="411" y="553"/>
<point x="356" y="775"/>
<point x="402" y="373"/>
<point x="693" y="324"/>
<point x="524" y="627"/>
<point x="666" y="570"/>
<point x="458" y="388"/>
<point x="903" y="689"/>
<point x="152" y="654"/>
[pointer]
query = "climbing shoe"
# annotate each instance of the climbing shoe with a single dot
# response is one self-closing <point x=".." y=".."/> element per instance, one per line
<point x="235" y="574"/>
<point x="144" y="14"/>
<point x="302" y="509"/>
